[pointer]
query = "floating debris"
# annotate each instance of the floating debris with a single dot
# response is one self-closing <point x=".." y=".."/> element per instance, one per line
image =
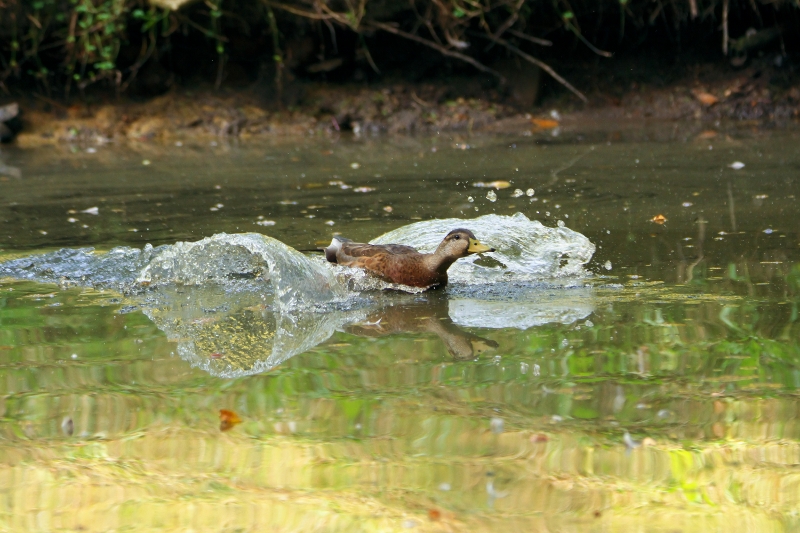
<point x="497" y="184"/>
<point x="355" y="166"/>
<point x="444" y="487"/>
<point x="629" y="442"/>
<point x="687" y="204"/>
<point x="146" y="162"/>
<point x="517" y="193"/>
<point x="530" y="192"/>
<point x="736" y="165"/>
<point x="607" y="265"/>
<point x="67" y="426"/>
<point x="92" y="211"/>
<point x="496" y="424"/>
<point x="363" y="189"/>
<point x="491" y="196"/>
<point x="659" y="219"/>
<point x="265" y="222"/>
<point x="388" y="208"/>
<point x="228" y="419"/>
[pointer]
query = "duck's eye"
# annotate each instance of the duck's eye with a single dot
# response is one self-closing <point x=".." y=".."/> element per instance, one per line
<point x="456" y="237"/>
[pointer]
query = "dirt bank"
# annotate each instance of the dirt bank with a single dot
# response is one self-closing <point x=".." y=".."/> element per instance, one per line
<point x="704" y="94"/>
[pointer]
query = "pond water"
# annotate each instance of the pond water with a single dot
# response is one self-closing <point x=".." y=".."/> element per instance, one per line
<point x="632" y="363"/>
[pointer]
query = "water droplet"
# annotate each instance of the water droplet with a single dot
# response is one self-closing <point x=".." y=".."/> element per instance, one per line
<point x="607" y="265"/>
<point x="496" y="424"/>
<point x="560" y="223"/>
<point x="470" y="199"/>
<point x="517" y="193"/>
<point x="145" y="162"/>
<point x="74" y="356"/>
<point x="355" y="166"/>
<point x="736" y="165"/>
<point x="491" y="196"/>
<point x="523" y="368"/>
<point x="588" y="323"/>
<point x="536" y="370"/>
<point x="530" y="192"/>
<point x="687" y="204"/>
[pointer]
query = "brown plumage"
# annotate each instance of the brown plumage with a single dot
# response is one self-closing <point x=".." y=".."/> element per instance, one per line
<point x="396" y="263"/>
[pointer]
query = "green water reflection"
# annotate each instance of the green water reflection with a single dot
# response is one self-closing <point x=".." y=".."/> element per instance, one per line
<point x="409" y="419"/>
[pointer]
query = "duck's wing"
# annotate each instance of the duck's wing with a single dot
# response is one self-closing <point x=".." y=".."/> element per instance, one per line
<point x="357" y="249"/>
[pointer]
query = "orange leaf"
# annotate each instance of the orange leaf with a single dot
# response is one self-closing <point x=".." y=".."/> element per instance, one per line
<point x="707" y="134"/>
<point x="434" y="514"/>
<point x="544" y="123"/>
<point x="705" y="98"/>
<point x="659" y="219"/>
<point x="228" y="419"/>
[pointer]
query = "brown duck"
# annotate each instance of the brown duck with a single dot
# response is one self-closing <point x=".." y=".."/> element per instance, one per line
<point x="396" y="263"/>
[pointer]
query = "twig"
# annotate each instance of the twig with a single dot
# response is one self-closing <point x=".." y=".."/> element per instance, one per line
<point x="277" y="55"/>
<point x="441" y="49"/>
<point x="585" y="41"/>
<point x="541" y="64"/>
<point x="535" y="40"/>
<point x="724" y="27"/>
<point x="419" y="100"/>
<point x="510" y="21"/>
<point x="298" y="12"/>
<point x="693" y="8"/>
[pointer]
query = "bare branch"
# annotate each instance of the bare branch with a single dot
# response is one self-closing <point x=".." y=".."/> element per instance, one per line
<point x="541" y="64"/>
<point x="441" y="49"/>
<point x="535" y="40"/>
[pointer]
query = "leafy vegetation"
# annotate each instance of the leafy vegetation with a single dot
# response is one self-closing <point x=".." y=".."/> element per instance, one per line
<point x="57" y="46"/>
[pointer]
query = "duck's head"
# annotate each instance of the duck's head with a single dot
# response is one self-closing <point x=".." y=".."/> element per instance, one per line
<point x="461" y="243"/>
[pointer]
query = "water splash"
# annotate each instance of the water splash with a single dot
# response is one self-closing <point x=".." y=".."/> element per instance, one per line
<point x="242" y="304"/>
<point x="525" y="249"/>
<point x="296" y="280"/>
<point x="293" y="279"/>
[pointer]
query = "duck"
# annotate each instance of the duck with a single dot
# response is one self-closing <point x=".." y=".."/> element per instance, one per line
<point x="396" y="263"/>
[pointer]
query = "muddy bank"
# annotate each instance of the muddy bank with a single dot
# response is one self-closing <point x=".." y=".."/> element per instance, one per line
<point x="702" y="98"/>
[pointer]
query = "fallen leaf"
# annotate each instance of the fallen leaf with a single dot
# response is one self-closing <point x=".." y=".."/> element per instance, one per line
<point x="659" y="219"/>
<point x="545" y="123"/>
<point x="705" y="98"/>
<point x="541" y="437"/>
<point x="434" y="514"/>
<point x="216" y="355"/>
<point x="228" y="419"/>
<point x="707" y="134"/>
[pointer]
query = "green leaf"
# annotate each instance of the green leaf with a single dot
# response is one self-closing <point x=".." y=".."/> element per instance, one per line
<point x="459" y="13"/>
<point x="568" y="15"/>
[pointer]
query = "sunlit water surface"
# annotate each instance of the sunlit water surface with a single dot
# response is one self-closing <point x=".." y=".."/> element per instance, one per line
<point x="653" y="389"/>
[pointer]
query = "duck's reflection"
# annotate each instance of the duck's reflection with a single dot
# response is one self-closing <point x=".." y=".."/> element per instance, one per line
<point x="423" y="315"/>
<point x="236" y="331"/>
